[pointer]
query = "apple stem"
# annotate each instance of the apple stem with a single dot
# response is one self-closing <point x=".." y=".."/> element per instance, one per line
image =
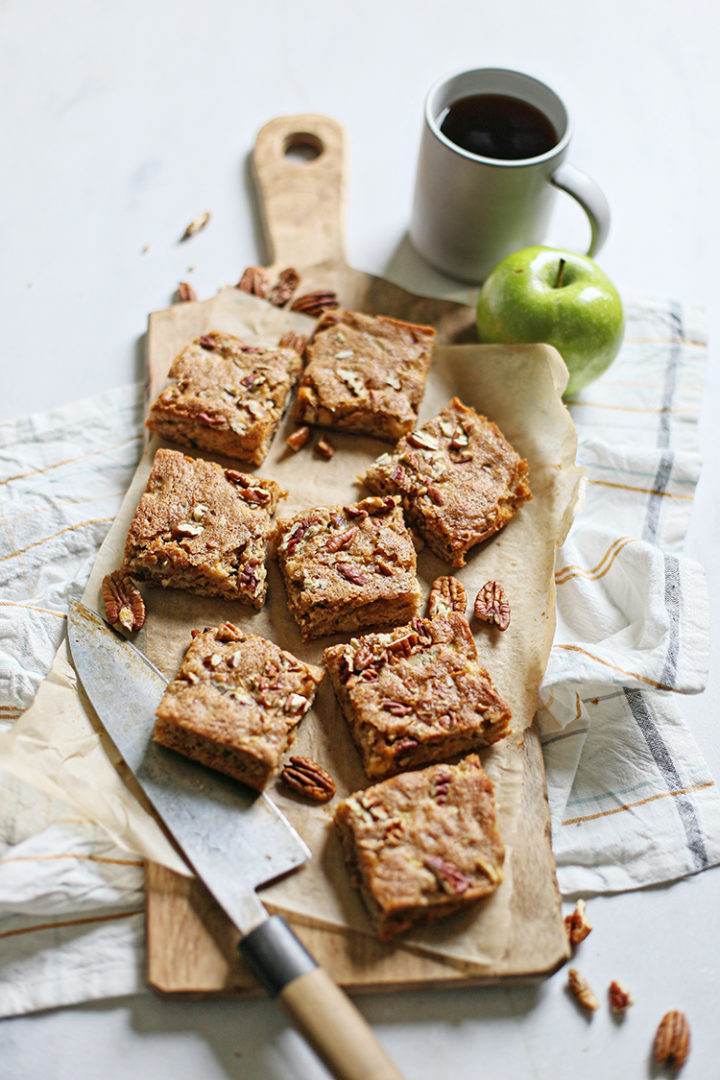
<point x="558" y="279"/>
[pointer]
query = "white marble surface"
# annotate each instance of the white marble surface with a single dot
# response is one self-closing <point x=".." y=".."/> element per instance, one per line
<point x="118" y="124"/>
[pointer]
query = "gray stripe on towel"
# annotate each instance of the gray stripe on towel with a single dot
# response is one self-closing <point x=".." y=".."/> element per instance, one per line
<point x="666" y="766"/>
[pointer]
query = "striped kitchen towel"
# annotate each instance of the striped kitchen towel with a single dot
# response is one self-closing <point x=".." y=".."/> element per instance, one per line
<point x="631" y="798"/>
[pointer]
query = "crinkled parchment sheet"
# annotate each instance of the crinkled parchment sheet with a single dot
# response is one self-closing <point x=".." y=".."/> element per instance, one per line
<point x="59" y="746"/>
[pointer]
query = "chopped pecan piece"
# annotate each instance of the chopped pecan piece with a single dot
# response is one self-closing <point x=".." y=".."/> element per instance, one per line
<point x="440" y="786"/>
<point x="620" y="998"/>
<point x="423" y="440"/>
<point x="342" y="540"/>
<point x="254" y="280"/>
<point x="196" y="225"/>
<point x="447" y="594"/>
<point x="450" y="877"/>
<point x="207" y="341"/>
<point x="395" y="708"/>
<point x="123" y="602"/>
<point x="582" y="990"/>
<point x="291" y="340"/>
<point x="378" y="504"/>
<point x="315" y="303"/>
<point x="298" y="532"/>
<point x="229" y="632"/>
<point x="491" y="605"/>
<point x="284" y="287"/>
<point x="298" y="438"/>
<point x="305" y="777"/>
<point x="324" y="448"/>
<point x="185" y="292"/>
<point x="672" y="1040"/>
<point x="352" y="573"/>
<point x="577" y="924"/>
<point x="403" y="646"/>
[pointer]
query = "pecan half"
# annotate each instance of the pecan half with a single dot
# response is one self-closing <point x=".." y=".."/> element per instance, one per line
<point x="620" y="998"/>
<point x="341" y="540"/>
<point x="672" y="1040"/>
<point x="298" y="438"/>
<point x="123" y="602"/>
<point x="207" y="341"/>
<point x="291" y="340"/>
<point x="284" y="287"/>
<point x="577" y="924"/>
<point x="450" y="877"/>
<point x="305" y="777"/>
<point x="491" y="605"/>
<point x="196" y="225"/>
<point x="447" y="594"/>
<point x="352" y="573"/>
<point x="315" y="303"/>
<point x="582" y="990"/>
<point x="254" y="280"/>
<point x="324" y="448"/>
<point x="185" y="292"/>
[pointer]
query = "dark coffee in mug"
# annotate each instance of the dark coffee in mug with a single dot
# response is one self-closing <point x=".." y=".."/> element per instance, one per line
<point x="498" y="126"/>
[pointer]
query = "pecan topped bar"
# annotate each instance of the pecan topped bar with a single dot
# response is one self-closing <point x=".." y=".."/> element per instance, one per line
<point x="423" y="844"/>
<point x="235" y="703"/>
<point x="203" y="528"/>
<point x="459" y="479"/>
<point x="416" y="694"/>
<point x="226" y="396"/>
<point x="365" y="374"/>
<point x="348" y="567"/>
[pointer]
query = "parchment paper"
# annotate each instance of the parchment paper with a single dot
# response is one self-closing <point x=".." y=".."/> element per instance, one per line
<point x="58" y="745"/>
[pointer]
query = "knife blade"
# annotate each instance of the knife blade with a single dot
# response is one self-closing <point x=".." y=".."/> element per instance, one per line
<point x="233" y="838"/>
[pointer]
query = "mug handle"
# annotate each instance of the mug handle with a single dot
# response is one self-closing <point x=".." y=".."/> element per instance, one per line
<point x="588" y="194"/>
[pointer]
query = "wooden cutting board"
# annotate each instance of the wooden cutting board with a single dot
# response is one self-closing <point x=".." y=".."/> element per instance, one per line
<point x="190" y="943"/>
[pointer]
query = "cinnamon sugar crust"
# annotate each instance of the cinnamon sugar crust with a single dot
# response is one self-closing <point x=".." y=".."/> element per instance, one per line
<point x="203" y="528"/>
<point x="226" y="396"/>
<point x="348" y="567"/>
<point x="415" y="695"/>
<point x="365" y="374"/>
<point x="459" y="479"/>
<point x="422" y="845"/>
<point x="236" y="703"/>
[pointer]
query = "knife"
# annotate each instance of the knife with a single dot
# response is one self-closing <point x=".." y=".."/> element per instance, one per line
<point x="233" y="838"/>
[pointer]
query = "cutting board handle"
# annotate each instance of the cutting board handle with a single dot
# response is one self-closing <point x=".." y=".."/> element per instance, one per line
<point x="299" y="166"/>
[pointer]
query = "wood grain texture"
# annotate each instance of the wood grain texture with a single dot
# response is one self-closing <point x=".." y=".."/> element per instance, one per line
<point x="191" y="946"/>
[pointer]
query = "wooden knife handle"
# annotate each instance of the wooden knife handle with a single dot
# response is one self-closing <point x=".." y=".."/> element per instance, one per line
<point x="326" y="1017"/>
<point x="301" y="201"/>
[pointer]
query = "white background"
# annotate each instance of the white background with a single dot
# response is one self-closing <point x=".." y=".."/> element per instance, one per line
<point x="121" y="122"/>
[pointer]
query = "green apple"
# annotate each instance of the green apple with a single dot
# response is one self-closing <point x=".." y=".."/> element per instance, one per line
<point x="558" y="297"/>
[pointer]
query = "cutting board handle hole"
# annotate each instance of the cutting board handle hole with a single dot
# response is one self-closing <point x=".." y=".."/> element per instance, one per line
<point x="300" y="147"/>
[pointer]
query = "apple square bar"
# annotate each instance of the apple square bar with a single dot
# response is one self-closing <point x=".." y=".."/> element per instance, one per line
<point x="203" y="528"/>
<point x="236" y="703"/>
<point x="415" y="695"/>
<point x="348" y="567"/>
<point x="226" y="396"/>
<point x="365" y="374"/>
<point x="422" y="844"/>
<point x="459" y="479"/>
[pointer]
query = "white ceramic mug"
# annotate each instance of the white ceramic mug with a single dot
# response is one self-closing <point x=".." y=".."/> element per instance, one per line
<point x="469" y="211"/>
